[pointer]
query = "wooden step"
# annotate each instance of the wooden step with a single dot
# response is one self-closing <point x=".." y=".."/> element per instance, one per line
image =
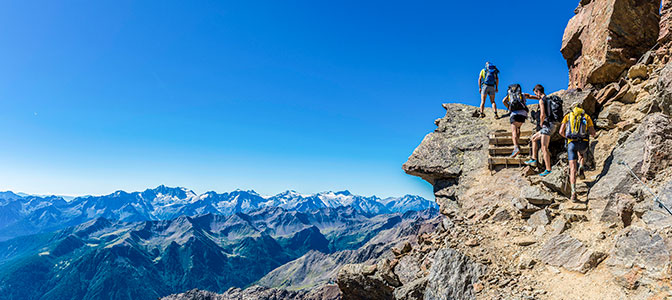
<point x="506" y="141"/>
<point x="498" y="161"/>
<point x="523" y="133"/>
<point x="507" y="150"/>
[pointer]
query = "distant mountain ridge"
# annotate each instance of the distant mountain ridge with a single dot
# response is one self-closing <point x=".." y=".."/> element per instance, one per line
<point x="108" y="259"/>
<point x="23" y="214"/>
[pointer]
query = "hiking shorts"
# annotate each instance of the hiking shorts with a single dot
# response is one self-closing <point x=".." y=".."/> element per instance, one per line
<point x="517" y="118"/>
<point x="488" y="90"/>
<point x="576" y="147"/>
<point x="548" y="128"/>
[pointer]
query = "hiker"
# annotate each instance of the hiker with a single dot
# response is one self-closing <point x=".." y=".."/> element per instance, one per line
<point x="488" y="85"/>
<point x="576" y="126"/>
<point x="515" y="101"/>
<point x="550" y="114"/>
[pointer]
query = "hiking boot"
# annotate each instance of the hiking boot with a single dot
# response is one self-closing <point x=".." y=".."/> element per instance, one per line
<point x="482" y="115"/>
<point x="515" y="152"/>
<point x="546" y="172"/>
<point x="531" y="162"/>
<point x="573" y="197"/>
<point x="496" y="116"/>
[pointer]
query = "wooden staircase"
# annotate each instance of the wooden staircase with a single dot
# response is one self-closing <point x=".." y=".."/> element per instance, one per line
<point x="501" y="146"/>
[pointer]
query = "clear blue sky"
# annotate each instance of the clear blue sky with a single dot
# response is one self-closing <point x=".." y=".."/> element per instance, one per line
<point x="97" y="96"/>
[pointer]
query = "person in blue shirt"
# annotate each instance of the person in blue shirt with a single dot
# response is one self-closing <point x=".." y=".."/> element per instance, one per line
<point x="488" y="85"/>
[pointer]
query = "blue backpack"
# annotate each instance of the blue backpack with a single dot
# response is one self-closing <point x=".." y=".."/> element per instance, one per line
<point x="491" y="75"/>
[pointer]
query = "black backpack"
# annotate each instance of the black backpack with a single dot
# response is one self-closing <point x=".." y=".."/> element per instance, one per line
<point x="554" y="109"/>
<point x="516" y="98"/>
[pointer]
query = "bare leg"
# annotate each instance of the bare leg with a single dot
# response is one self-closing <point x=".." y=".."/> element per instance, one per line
<point x="514" y="135"/>
<point x="580" y="159"/>
<point x="494" y="103"/>
<point x="483" y="95"/>
<point x="535" y="145"/>
<point x="545" y="140"/>
<point x="572" y="178"/>
<point x="518" y="132"/>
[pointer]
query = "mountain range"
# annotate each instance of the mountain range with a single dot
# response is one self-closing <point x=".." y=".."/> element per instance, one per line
<point x="115" y="259"/>
<point x="22" y="214"/>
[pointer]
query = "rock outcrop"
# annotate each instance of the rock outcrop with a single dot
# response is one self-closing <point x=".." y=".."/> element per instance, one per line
<point x="606" y="37"/>
<point x="256" y="292"/>
<point x="454" y="149"/>
<point x="565" y="251"/>
<point x="646" y="151"/>
<point x="364" y="282"/>
<point x="452" y="276"/>
<point x="640" y="257"/>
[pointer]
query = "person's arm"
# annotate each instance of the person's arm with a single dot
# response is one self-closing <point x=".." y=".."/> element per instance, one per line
<point x="562" y="130"/>
<point x="528" y="96"/>
<point x="506" y="101"/>
<point x="542" y="111"/>
<point x="496" y="83"/>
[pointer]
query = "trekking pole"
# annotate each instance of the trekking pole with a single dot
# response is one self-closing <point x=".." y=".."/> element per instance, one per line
<point x="655" y="198"/>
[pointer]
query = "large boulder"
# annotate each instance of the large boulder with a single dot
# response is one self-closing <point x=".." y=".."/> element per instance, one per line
<point x="359" y="281"/>
<point x="536" y="195"/>
<point x="414" y="290"/>
<point x="609" y="116"/>
<point x="606" y="37"/>
<point x="407" y="268"/>
<point x="582" y="98"/>
<point x="639" y="256"/>
<point x="540" y="218"/>
<point x="558" y="180"/>
<point x="614" y="211"/>
<point x="565" y="251"/>
<point x="452" y="276"/>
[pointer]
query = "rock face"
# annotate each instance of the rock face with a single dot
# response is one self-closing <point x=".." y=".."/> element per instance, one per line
<point x="568" y="252"/>
<point x="411" y="291"/>
<point x="642" y="251"/>
<point x="582" y="98"/>
<point x="359" y="282"/>
<point x="456" y="147"/>
<point x="452" y="276"/>
<point x="647" y="151"/>
<point x="606" y="37"/>
<point x="453" y="148"/>
<point x="664" y="90"/>
<point x="665" y="36"/>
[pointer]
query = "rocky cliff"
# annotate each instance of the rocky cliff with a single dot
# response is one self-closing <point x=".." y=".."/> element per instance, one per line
<point x="509" y="234"/>
<point x="605" y="37"/>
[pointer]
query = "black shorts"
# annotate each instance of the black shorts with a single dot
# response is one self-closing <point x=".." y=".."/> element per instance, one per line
<point x="517" y="118"/>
